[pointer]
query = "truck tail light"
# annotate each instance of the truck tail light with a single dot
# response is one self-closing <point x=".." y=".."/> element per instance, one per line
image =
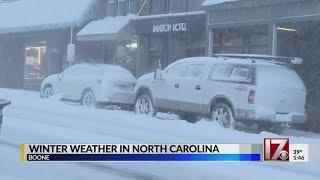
<point x="251" y="97"/>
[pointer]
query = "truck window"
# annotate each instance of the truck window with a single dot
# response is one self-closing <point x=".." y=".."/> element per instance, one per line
<point x="178" y="70"/>
<point x="242" y="74"/>
<point x="195" y="71"/>
<point x="221" y="72"/>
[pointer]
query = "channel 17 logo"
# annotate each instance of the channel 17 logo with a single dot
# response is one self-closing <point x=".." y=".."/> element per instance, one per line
<point x="276" y="149"/>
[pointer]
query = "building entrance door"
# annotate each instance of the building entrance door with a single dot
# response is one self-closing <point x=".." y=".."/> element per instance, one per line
<point x="302" y="40"/>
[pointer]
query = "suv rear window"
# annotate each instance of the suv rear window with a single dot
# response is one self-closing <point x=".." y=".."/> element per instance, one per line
<point x="234" y="73"/>
<point x="221" y="72"/>
<point x="242" y="74"/>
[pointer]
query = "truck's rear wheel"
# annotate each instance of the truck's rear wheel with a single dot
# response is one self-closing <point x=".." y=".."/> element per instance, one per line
<point x="144" y="105"/>
<point x="47" y="92"/>
<point x="222" y="113"/>
<point x="88" y="99"/>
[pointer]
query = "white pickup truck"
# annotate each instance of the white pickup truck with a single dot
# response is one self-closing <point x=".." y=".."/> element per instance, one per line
<point x="228" y="88"/>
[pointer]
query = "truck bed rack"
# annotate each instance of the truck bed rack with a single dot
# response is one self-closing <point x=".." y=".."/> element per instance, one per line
<point x="265" y="58"/>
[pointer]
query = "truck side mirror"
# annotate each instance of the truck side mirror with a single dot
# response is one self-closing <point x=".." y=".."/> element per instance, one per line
<point x="158" y="74"/>
<point x="60" y="76"/>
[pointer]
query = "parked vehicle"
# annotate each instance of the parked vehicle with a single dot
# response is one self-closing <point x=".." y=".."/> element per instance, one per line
<point x="254" y="89"/>
<point x="91" y="85"/>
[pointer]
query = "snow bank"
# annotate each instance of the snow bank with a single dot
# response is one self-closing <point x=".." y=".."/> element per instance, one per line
<point x="30" y="15"/>
<point x="215" y="2"/>
<point x="30" y="119"/>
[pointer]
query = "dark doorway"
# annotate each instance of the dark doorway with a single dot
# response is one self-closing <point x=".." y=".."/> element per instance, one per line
<point x="302" y="40"/>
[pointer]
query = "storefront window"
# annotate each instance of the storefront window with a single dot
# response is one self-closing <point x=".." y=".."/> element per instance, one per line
<point x="194" y="5"/>
<point x="259" y="44"/>
<point x="135" y="6"/>
<point x="228" y="41"/>
<point x="127" y="54"/>
<point x="34" y="62"/>
<point x="123" y="7"/>
<point x="112" y="8"/>
<point x="159" y="6"/>
<point x="177" y="6"/>
<point x="246" y="40"/>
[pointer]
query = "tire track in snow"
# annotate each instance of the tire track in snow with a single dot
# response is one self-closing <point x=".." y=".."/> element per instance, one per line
<point x="88" y="130"/>
<point x="126" y="173"/>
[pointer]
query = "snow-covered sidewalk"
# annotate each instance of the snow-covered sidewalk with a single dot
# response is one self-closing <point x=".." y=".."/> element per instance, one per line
<point x="30" y="119"/>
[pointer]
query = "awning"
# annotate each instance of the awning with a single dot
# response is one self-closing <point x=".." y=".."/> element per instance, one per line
<point x="169" y="23"/>
<point x="107" y="29"/>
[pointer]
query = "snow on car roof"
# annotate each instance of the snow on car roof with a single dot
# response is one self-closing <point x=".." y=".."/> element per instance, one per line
<point x="209" y="60"/>
<point x="107" y="67"/>
<point x="102" y="66"/>
<point x="31" y="15"/>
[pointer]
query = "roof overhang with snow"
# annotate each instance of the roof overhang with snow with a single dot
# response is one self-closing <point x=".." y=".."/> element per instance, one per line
<point x="107" y="29"/>
<point x="252" y="12"/>
<point x="39" y="15"/>
<point x="231" y="4"/>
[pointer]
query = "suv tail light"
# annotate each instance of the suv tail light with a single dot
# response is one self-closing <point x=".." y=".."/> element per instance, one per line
<point x="251" y="97"/>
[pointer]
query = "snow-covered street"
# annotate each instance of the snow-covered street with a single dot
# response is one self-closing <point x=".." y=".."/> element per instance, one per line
<point x="30" y="119"/>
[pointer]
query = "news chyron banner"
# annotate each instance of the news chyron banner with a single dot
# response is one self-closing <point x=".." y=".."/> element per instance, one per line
<point x="272" y="150"/>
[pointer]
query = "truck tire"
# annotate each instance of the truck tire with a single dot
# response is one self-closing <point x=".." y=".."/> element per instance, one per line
<point x="222" y="113"/>
<point x="144" y="105"/>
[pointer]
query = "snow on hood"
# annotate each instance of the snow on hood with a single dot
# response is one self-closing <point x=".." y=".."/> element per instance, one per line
<point x="30" y="15"/>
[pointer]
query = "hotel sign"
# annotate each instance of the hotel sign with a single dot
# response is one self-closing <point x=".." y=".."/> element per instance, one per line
<point x="162" y="25"/>
<point x="175" y="27"/>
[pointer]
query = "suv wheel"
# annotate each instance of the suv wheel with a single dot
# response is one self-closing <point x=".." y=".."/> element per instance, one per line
<point x="47" y="92"/>
<point x="144" y="105"/>
<point x="88" y="99"/>
<point x="222" y="113"/>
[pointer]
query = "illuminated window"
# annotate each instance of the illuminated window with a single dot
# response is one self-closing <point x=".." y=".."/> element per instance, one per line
<point x="34" y="62"/>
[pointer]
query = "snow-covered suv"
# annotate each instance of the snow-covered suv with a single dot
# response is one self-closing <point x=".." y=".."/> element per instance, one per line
<point x="92" y="85"/>
<point x="229" y="88"/>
